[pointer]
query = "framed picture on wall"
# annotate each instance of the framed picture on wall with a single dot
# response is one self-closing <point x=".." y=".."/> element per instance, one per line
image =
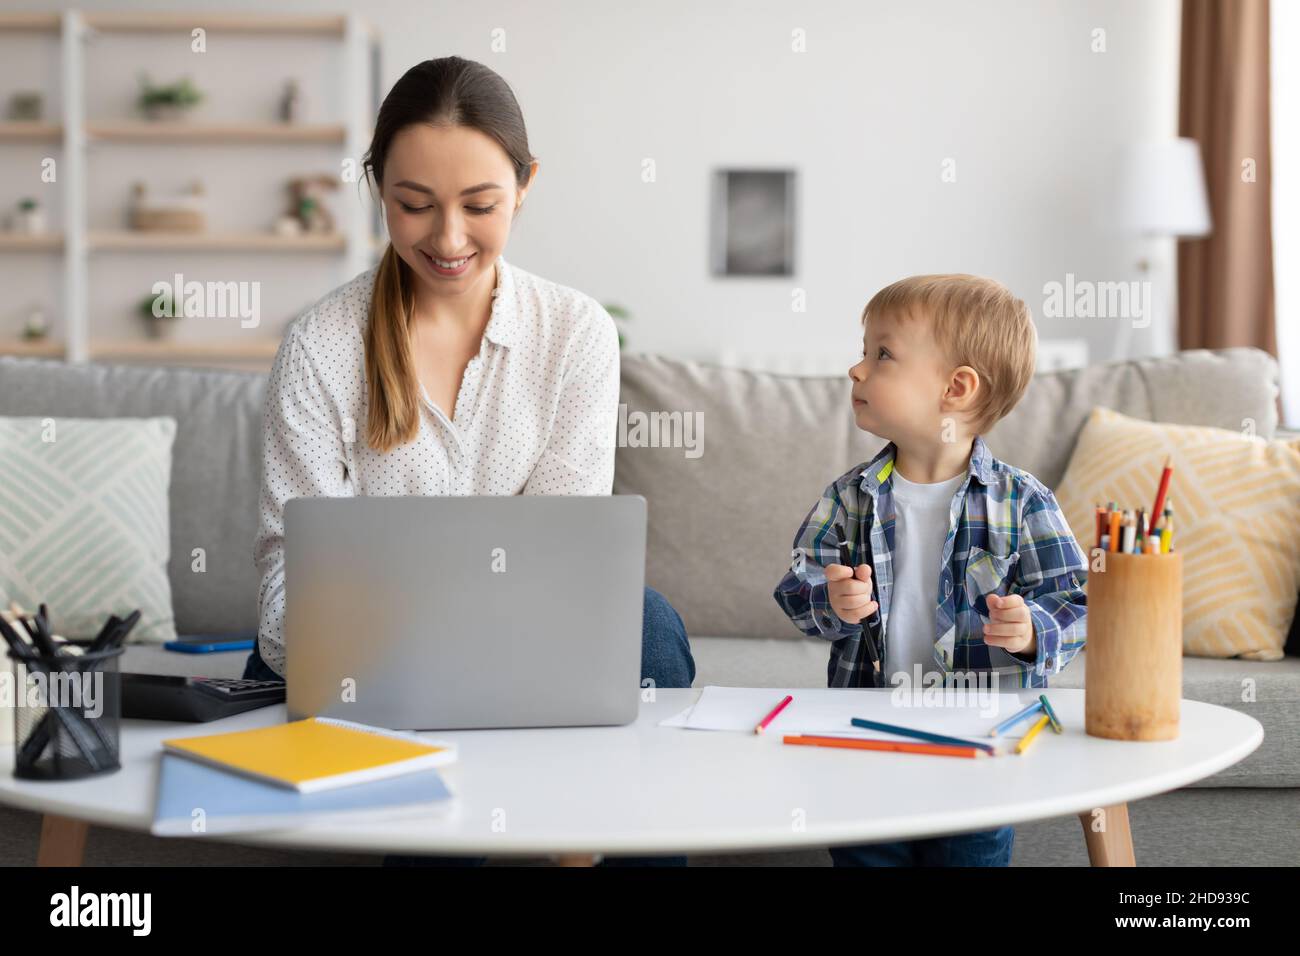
<point x="753" y="212"/>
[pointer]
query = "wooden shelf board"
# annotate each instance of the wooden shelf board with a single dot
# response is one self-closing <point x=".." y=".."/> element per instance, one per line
<point x="236" y="350"/>
<point x="22" y="20"/>
<point x="18" y="242"/>
<point x="213" y="242"/>
<point x="159" y="22"/>
<point x="30" y="131"/>
<point x="185" y="131"/>
<point x="38" y="349"/>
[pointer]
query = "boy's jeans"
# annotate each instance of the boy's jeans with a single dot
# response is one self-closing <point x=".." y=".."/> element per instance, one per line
<point x="983" y="848"/>
<point x="665" y="659"/>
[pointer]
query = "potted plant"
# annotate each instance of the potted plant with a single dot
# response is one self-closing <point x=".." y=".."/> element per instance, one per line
<point x="159" y="322"/>
<point x="168" y="102"/>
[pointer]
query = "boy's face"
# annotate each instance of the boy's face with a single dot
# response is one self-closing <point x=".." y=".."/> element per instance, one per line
<point x="899" y="385"/>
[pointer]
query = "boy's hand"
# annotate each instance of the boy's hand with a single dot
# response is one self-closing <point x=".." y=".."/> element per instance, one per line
<point x="1010" y="627"/>
<point x="849" y="591"/>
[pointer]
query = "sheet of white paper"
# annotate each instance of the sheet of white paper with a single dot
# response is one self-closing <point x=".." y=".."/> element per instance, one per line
<point x="678" y="720"/>
<point x="828" y="710"/>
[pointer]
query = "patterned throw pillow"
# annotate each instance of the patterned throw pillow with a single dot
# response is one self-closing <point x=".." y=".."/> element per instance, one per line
<point x="1236" y="502"/>
<point x="84" y="524"/>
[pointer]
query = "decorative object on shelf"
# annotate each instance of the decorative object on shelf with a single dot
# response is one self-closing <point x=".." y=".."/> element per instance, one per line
<point x="753" y="217"/>
<point x="619" y="315"/>
<point x="169" y="102"/>
<point x="28" y="218"/>
<point x="293" y="106"/>
<point x="307" y="203"/>
<point x="26" y="106"/>
<point x="184" y="212"/>
<point x="160" y="314"/>
<point x="35" y="326"/>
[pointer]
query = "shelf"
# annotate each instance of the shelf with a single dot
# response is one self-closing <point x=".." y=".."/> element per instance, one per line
<point x="67" y="131"/>
<point x="30" y="131"/>
<point x="213" y="242"/>
<point x="252" y="350"/>
<point x="157" y="22"/>
<point x="30" y="22"/>
<point x="25" y="349"/>
<point x="184" y="131"/>
<point x="18" y="242"/>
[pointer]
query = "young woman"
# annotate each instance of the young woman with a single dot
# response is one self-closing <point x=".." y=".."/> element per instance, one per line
<point x="444" y="370"/>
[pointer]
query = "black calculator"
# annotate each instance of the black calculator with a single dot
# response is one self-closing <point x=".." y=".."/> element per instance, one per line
<point x="195" y="699"/>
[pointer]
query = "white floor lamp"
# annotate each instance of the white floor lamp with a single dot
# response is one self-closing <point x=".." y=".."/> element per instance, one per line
<point x="1160" y="192"/>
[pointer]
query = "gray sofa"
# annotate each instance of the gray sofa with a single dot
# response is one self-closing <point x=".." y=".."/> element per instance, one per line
<point x="723" y="512"/>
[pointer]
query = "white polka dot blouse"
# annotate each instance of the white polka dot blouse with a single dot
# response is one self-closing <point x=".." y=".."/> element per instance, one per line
<point x="536" y="415"/>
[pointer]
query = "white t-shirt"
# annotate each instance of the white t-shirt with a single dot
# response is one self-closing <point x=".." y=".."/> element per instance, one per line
<point x="536" y="414"/>
<point x="921" y="518"/>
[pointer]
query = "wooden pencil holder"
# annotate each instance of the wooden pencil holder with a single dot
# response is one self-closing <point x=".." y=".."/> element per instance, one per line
<point x="1134" y="673"/>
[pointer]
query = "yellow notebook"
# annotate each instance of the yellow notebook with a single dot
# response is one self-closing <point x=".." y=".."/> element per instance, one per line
<point x="319" y="753"/>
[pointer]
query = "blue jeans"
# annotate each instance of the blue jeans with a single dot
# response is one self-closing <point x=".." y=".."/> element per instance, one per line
<point x="982" y="848"/>
<point x="665" y="659"/>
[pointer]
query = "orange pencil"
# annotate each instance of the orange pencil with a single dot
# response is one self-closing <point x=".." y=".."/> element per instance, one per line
<point x="772" y="716"/>
<point x="872" y="743"/>
<point x="1115" y="518"/>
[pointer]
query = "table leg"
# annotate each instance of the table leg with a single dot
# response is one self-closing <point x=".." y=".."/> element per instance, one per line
<point x="63" y="841"/>
<point x="576" y="859"/>
<point x="1107" y="833"/>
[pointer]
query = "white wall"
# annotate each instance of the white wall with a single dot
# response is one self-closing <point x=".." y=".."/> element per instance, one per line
<point x="885" y="92"/>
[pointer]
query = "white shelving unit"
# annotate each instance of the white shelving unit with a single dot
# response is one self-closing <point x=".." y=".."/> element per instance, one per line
<point x="355" y="241"/>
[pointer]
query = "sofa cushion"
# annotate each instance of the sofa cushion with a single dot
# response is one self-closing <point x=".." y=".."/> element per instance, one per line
<point x="83" y="521"/>
<point x="216" y="467"/>
<point x="1236" y="508"/>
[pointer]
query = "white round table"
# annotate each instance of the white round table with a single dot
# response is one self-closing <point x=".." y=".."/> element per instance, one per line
<point x="577" y="793"/>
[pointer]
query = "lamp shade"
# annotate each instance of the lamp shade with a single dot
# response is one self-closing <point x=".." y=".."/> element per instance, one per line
<point x="1160" y="189"/>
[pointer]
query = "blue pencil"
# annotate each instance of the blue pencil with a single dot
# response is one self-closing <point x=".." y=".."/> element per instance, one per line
<point x="1017" y="718"/>
<point x="921" y="734"/>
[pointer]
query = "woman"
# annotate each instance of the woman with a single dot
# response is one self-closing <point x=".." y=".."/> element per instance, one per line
<point x="444" y="370"/>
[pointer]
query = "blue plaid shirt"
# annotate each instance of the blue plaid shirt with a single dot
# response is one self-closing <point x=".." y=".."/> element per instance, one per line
<point x="1006" y="533"/>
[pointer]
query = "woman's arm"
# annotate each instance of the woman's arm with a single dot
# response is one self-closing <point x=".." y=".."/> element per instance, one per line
<point x="579" y="455"/>
<point x="303" y="455"/>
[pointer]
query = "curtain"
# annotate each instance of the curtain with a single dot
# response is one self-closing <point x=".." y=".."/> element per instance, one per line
<point x="1225" y="280"/>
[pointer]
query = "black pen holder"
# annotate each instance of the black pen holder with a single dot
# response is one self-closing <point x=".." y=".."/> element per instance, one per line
<point x="67" y="714"/>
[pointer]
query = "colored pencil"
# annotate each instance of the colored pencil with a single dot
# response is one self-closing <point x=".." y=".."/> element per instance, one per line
<point x="919" y="734"/>
<point x="1164" y="487"/>
<point x="772" y="716"/>
<point x="895" y="746"/>
<point x="1033" y="732"/>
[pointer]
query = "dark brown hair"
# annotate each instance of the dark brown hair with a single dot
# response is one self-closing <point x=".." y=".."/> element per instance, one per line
<point x="449" y="91"/>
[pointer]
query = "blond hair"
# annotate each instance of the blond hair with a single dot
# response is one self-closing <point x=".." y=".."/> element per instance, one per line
<point x="394" y="415"/>
<point x="976" y="322"/>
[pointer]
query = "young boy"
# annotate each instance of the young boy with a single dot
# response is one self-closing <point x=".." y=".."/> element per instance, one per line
<point x="973" y="565"/>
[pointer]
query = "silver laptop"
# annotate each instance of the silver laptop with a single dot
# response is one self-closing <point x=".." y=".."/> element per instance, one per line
<point x="439" y="613"/>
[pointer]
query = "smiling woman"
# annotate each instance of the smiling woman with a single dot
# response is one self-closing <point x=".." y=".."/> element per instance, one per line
<point x="471" y="376"/>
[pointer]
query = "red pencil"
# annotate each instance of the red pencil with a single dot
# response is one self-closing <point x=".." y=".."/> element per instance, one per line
<point x="1164" y="488"/>
<point x="772" y="716"/>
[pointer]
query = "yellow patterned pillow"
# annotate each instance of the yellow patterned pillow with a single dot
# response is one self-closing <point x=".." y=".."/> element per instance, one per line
<point x="1236" y="505"/>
